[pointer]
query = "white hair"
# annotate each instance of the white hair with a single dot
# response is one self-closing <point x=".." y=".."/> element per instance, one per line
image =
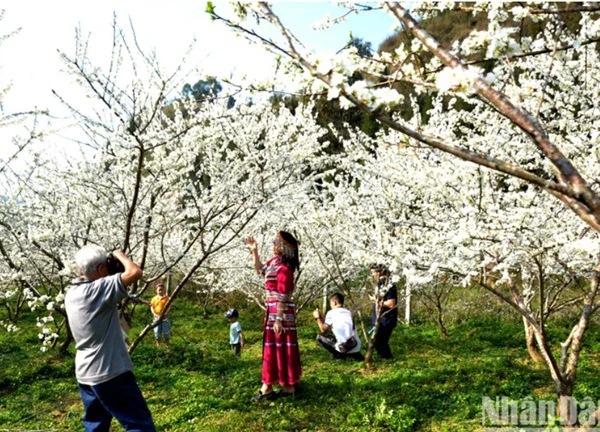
<point x="89" y="258"/>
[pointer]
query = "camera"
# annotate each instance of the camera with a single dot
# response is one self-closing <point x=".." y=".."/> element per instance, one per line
<point x="114" y="265"/>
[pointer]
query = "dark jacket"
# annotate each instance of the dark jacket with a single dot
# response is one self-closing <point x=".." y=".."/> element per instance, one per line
<point x="389" y="318"/>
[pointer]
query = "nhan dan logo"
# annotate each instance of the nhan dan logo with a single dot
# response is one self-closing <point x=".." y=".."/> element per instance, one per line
<point x="529" y="415"/>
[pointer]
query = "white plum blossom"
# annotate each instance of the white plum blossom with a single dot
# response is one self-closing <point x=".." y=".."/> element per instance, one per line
<point x="520" y="12"/>
<point x="387" y="96"/>
<point x="458" y="79"/>
<point x="333" y="93"/>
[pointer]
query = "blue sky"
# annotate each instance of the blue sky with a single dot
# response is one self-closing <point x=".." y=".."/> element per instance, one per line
<point x="372" y="26"/>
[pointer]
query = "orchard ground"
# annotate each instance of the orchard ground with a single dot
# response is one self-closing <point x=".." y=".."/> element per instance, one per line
<point x="198" y="385"/>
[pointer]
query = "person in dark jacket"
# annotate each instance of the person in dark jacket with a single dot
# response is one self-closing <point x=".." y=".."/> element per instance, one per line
<point x="387" y="294"/>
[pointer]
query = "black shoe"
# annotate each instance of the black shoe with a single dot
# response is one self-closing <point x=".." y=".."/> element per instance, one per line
<point x="271" y="396"/>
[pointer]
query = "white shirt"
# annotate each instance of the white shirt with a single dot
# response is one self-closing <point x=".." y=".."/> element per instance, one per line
<point x="234" y="333"/>
<point x="340" y="321"/>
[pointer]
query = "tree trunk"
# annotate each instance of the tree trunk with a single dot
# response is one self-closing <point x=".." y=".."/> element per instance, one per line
<point x="534" y="353"/>
<point x="168" y="288"/>
<point x="440" y="317"/>
<point x="407" y="308"/>
<point x="442" y="327"/>
<point x="371" y="348"/>
<point x="68" y="339"/>
<point x="567" y="406"/>
<point x="563" y="383"/>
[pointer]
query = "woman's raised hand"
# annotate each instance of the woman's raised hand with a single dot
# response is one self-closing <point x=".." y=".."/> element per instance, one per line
<point x="251" y="243"/>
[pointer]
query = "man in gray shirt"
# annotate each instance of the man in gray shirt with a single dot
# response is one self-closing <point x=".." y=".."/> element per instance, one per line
<point x="102" y="364"/>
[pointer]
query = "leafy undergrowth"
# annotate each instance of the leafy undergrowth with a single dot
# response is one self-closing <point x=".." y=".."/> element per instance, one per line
<point x="197" y="384"/>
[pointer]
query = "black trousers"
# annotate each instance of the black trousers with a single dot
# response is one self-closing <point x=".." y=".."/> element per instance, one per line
<point x="382" y="341"/>
<point x="328" y="342"/>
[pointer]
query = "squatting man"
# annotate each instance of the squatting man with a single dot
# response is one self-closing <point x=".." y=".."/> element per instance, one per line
<point x="344" y="342"/>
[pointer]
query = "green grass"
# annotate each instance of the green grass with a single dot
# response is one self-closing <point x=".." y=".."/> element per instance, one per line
<point x="197" y="384"/>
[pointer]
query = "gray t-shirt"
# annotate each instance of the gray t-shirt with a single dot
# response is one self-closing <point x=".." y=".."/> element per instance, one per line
<point x="94" y="320"/>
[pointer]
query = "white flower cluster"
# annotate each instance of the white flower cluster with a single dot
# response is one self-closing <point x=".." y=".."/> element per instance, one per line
<point x="458" y="79"/>
<point x="46" y="335"/>
<point x="9" y="327"/>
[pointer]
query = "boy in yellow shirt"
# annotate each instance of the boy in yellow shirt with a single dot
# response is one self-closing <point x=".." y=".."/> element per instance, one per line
<point x="157" y="304"/>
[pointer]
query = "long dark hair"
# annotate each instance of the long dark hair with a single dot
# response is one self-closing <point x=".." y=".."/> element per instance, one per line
<point x="289" y="249"/>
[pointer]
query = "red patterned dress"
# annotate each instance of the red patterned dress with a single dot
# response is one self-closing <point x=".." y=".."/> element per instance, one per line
<point x="281" y="356"/>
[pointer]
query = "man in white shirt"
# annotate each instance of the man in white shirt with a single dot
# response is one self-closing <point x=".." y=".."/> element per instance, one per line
<point x="344" y="342"/>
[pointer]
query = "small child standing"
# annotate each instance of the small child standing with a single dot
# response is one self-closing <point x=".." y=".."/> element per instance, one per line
<point x="157" y="304"/>
<point x="236" y="338"/>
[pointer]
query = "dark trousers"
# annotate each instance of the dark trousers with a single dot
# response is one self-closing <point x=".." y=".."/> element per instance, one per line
<point x="382" y="341"/>
<point x="328" y="342"/>
<point x="236" y="348"/>
<point x="120" y="398"/>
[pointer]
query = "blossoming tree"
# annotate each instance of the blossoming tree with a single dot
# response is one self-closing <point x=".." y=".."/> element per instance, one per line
<point x="171" y="189"/>
<point x="529" y="118"/>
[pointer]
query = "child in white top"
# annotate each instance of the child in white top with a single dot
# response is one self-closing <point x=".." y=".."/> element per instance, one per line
<point x="236" y="338"/>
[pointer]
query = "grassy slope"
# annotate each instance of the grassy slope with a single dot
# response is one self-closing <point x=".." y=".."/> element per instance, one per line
<point x="198" y="385"/>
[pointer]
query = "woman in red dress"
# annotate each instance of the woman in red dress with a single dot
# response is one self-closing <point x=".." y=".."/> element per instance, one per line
<point x="281" y="356"/>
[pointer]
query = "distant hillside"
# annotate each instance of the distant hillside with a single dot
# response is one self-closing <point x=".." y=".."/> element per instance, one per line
<point x="446" y="28"/>
<point x="450" y="26"/>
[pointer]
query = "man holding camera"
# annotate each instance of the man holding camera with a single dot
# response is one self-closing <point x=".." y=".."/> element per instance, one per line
<point x="344" y="342"/>
<point x="102" y="364"/>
